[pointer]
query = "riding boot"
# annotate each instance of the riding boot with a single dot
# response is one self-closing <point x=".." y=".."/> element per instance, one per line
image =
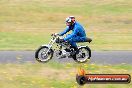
<point x="75" y="49"/>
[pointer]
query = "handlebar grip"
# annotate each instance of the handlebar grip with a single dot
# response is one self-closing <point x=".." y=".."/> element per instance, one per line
<point x="52" y="34"/>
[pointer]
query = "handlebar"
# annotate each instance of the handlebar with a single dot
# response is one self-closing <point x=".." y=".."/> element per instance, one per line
<point x="54" y="34"/>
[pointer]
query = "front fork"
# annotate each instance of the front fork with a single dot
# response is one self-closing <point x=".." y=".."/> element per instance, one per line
<point x="49" y="46"/>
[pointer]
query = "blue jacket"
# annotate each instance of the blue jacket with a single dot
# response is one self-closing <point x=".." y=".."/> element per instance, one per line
<point x="77" y="31"/>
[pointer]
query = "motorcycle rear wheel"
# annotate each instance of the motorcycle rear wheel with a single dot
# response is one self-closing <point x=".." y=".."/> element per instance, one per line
<point x="82" y="55"/>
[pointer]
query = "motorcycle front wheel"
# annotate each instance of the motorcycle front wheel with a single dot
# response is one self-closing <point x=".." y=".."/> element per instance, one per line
<point x="43" y="54"/>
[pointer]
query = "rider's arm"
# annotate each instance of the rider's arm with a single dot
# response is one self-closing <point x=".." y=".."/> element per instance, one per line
<point x="73" y="34"/>
<point x="65" y="31"/>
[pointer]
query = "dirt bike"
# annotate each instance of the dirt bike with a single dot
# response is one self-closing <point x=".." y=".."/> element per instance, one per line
<point x="63" y="49"/>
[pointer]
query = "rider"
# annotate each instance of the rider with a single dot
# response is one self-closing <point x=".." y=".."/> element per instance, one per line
<point x="78" y="33"/>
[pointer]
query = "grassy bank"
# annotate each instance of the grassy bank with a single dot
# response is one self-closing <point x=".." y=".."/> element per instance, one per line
<point x="31" y="40"/>
<point x="55" y="75"/>
<point x="26" y="24"/>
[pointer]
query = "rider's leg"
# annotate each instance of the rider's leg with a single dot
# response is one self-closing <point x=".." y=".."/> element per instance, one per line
<point x="76" y="39"/>
<point x="73" y="44"/>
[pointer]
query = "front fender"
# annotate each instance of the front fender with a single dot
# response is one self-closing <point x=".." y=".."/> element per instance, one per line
<point x="46" y="45"/>
<point x="42" y="46"/>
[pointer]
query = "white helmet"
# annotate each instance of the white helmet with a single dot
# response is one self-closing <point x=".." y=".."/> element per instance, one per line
<point x="68" y="20"/>
<point x="71" y="17"/>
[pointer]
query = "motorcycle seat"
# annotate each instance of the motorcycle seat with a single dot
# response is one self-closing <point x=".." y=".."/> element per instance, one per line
<point x="87" y="40"/>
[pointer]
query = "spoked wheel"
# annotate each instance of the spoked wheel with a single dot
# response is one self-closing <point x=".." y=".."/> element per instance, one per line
<point x="82" y="55"/>
<point x="43" y="54"/>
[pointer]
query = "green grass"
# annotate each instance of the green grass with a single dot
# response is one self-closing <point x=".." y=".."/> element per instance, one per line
<point x="56" y="75"/>
<point x="32" y="40"/>
<point x="25" y="25"/>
